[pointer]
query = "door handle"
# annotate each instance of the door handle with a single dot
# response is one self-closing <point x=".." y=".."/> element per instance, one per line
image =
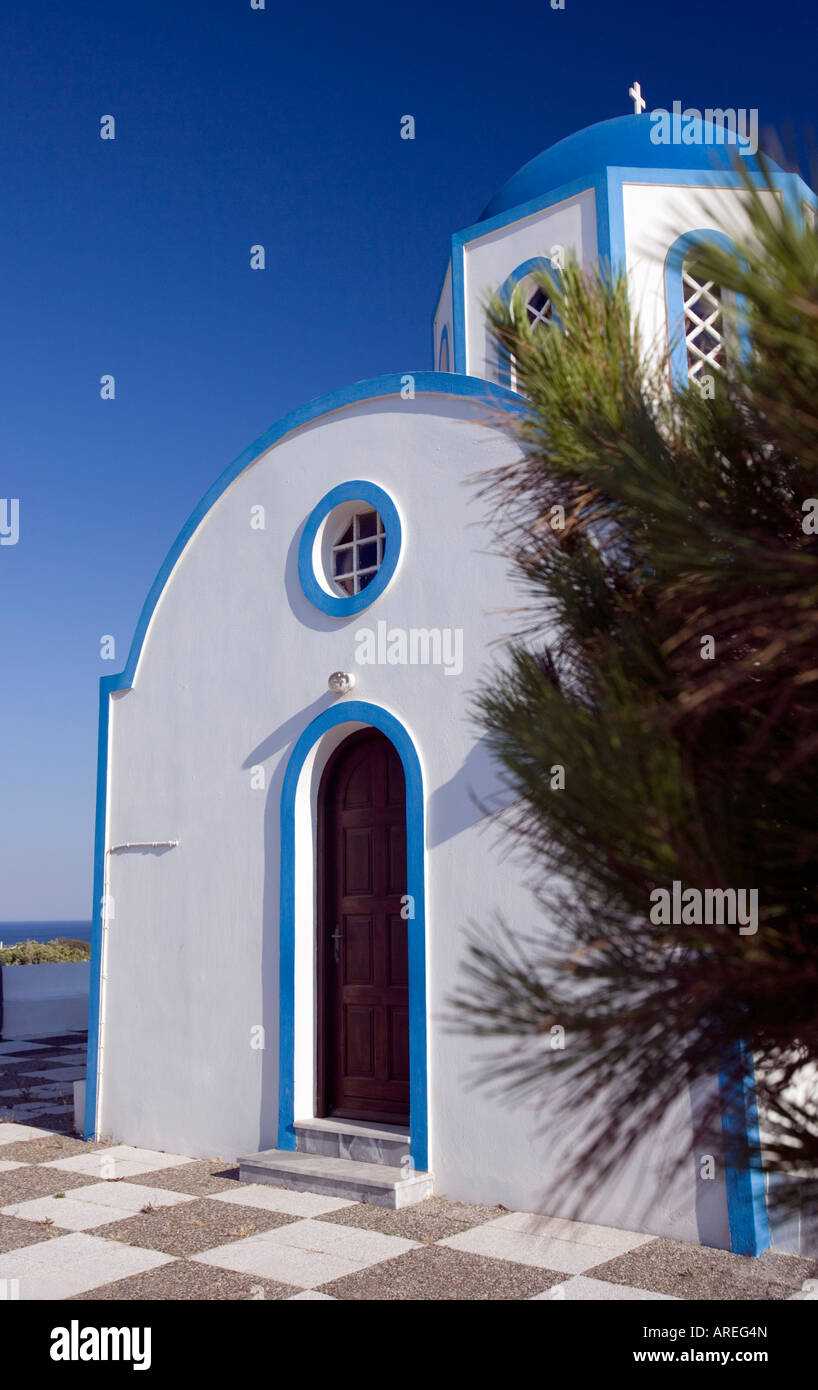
<point x="336" y="938"/>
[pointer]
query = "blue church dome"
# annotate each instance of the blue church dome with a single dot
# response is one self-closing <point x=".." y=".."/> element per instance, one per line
<point x="624" y="141"/>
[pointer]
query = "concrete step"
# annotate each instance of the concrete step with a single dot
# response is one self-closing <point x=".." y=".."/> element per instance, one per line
<point x="378" y="1183"/>
<point x="356" y="1139"/>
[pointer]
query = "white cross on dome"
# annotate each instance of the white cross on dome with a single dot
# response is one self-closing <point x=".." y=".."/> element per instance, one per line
<point x="639" y="102"/>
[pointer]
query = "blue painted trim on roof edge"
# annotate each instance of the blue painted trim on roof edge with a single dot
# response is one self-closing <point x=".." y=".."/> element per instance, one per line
<point x="357" y="490"/>
<point x="746" y="1202"/>
<point x="674" y="296"/>
<point x="607" y="188"/>
<point x="459" y="305"/>
<point x="361" y="712"/>
<point x="616" y="178"/>
<point x="617" y="141"/>
<point x="476" y="230"/>
<point x="602" y="207"/>
<point x="426" y="383"/>
<point x="617" y="258"/>
<point x="461" y="239"/>
<point x="802" y="192"/>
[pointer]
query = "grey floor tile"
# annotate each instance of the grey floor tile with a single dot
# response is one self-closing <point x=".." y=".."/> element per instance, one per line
<point x="60" y="1121"/>
<point x="428" y="1221"/>
<point x="581" y="1289"/>
<point x="438" y="1273"/>
<point x="14" y="1235"/>
<point x="696" y="1271"/>
<point x="202" y="1178"/>
<point x="48" y="1148"/>
<point x="64" y="1039"/>
<point x="33" y="1180"/>
<point x="191" y="1227"/>
<point x="184" y="1280"/>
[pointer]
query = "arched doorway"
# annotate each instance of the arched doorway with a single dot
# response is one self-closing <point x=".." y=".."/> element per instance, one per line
<point x="362" y="959"/>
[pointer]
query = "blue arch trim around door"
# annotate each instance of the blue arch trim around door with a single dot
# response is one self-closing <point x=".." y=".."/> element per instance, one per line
<point x="360" y="712"/>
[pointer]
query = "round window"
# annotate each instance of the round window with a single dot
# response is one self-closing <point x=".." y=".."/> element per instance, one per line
<point x="357" y="553"/>
<point x="349" y="548"/>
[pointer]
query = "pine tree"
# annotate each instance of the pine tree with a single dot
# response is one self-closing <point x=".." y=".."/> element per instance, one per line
<point x="657" y="713"/>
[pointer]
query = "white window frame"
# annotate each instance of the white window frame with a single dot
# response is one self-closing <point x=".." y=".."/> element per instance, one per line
<point x="695" y="324"/>
<point x="542" y="318"/>
<point x="357" y="572"/>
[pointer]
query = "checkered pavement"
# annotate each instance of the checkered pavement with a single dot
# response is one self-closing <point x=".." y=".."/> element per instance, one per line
<point x="98" y="1221"/>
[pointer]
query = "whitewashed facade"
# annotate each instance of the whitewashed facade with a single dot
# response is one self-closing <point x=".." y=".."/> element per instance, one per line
<point x="204" y="1034"/>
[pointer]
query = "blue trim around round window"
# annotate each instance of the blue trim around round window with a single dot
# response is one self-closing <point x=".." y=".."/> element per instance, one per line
<point x="356" y="491"/>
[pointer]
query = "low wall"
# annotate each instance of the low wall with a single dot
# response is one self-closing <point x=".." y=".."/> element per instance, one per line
<point x="45" y="998"/>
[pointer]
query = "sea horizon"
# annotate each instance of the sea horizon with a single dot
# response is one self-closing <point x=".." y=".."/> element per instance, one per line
<point x="11" y="933"/>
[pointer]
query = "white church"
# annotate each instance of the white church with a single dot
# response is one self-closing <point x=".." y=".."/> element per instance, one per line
<point x="292" y="833"/>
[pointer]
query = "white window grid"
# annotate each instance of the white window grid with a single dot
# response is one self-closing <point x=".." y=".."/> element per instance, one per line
<point x="349" y="574"/>
<point x="704" y="325"/>
<point x="539" y="310"/>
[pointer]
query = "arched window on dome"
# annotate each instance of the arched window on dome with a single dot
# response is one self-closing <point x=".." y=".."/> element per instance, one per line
<point x="703" y="323"/>
<point x="538" y="307"/>
<point x="701" y="313"/>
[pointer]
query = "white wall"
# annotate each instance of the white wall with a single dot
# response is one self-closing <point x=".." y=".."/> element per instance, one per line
<point x="443" y="319"/>
<point x="655" y="215"/>
<point x="490" y="259"/>
<point x="234" y="666"/>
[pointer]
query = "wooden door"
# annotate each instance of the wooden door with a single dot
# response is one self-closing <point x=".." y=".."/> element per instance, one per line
<point x="363" y="1035"/>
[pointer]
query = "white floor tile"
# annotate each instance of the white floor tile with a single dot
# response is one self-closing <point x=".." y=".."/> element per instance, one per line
<point x="313" y="1295"/>
<point x="120" y="1161"/>
<point x="258" y="1255"/>
<point x="129" y="1196"/>
<point x="281" y="1199"/>
<point x="11" y="1133"/>
<point x="808" y="1292"/>
<point x="306" y="1253"/>
<point x="72" y="1264"/>
<point x="582" y="1289"/>
<point x="544" y="1252"/>
<point x="50" y="1091"/>
<point x="83" y="1208"/>
<point x="6" y="1165"/>
<point x="352" y="1242"/>
<point x="607" y="1237"/>
<point x="32" y="1109"/>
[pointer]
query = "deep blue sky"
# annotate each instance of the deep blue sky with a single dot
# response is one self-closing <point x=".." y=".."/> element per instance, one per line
<point x="237" y="126"/>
